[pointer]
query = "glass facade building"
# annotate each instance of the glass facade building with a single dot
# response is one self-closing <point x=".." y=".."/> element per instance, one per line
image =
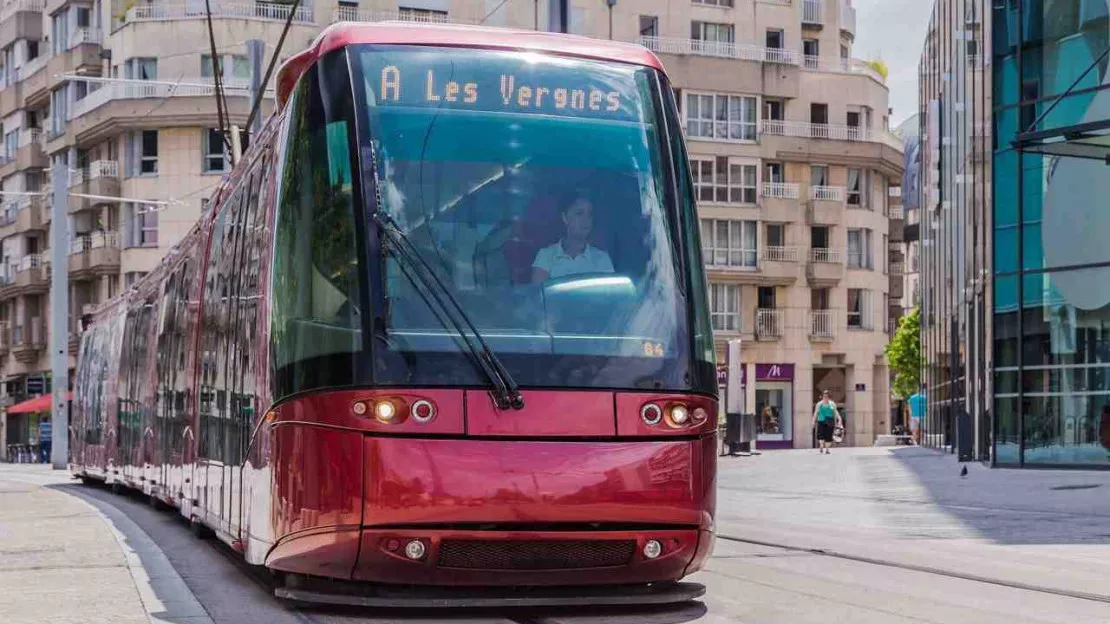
<point x="1015" y="101"/>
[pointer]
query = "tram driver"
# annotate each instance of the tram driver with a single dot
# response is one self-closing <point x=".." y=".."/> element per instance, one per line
<point x="572" y="254"/>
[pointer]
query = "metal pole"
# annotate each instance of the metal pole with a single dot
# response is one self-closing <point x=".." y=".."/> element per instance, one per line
<point x="59" y="310"/>
<point x="256" y="51"/>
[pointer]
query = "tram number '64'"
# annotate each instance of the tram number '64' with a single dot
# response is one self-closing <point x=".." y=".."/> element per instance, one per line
<point x="653" y="349"/>
<point x="534" y="97"/>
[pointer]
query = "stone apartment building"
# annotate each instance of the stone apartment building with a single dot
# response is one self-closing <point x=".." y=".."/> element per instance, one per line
<point x="787" y="132"/>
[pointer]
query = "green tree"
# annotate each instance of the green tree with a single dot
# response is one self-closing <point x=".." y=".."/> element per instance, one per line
<point x="904" y="354"/>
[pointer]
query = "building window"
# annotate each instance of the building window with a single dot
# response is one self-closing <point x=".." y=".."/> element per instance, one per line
<point x="131" y="277"/>
<point x="819" y="175"/>
<point x="649" y="26"/>
<point x="811" y="52"/>
<point x="148" y="152"/>
<point x="729" y="243"/>
<point x="723" y="3"/>
<point x="772" y="173"/>
<point x="410" y="14"/>
<point x="773" y="110"/>
<point x="212" y="150"/>
<point x="859" y="249"/>
<point x="719" y="180"/>
<point x="722" y="117"/>
<point x="724" y="307"/>
<point x="141" y="69"/>
<point x="775" y="235"/>
<point x="712" y="32"/>
<point x="859" y="309"/>
<point x="233" y="66"/>
<point x="855" y="181"/>
<point x="147" y="228"/>
<point x="775" y="38"/>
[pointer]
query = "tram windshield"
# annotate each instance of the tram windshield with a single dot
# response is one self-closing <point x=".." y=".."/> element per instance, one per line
<point x="534" y="187"/>
<point x="538" y="190"/>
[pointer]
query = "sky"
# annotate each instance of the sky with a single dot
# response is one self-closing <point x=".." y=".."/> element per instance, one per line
<point x="894" y="31"/>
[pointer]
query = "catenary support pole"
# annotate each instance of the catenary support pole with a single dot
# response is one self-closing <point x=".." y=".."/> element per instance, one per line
<point x="256" y="51"/>
<point x="59" y="308"/>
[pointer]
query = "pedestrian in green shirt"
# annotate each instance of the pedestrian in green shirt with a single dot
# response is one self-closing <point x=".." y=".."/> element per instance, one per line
<point x="826" y="418"/>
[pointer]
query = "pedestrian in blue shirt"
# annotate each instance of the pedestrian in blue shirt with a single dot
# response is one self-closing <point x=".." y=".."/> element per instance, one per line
<point x="917" y="413"/>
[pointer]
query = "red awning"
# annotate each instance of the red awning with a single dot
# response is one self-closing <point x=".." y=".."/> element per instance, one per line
<point x="37" y="404"/>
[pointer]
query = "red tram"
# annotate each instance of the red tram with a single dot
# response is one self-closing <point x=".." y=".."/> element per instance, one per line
<point x="443" y="332"/>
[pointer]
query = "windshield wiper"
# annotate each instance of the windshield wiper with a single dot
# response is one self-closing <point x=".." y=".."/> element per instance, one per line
<point x="506" y="393"/>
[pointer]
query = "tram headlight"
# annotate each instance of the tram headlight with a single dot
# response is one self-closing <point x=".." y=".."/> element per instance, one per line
<point x="652" y="549"/>
<point x="415" y="550"/>
<point x="700" y="414"/>
<point x="680" y="415"/>
<point x="385" y="411"/>
<point x="359" y="408"/>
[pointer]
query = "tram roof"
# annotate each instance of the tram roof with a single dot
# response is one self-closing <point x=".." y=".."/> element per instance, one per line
<point x="483" y="37"/>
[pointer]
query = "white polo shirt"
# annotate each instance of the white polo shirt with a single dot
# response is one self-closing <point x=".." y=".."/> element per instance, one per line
<point x="558" y="263"/>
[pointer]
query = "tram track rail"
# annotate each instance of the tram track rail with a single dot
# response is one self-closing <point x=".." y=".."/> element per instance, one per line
<point x="935" y="571"/>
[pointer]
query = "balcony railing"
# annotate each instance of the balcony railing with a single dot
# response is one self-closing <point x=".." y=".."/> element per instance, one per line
<point x="355" y="14"/>
<point x="897" y="268"/>
<point x="897" y="213"/>
<point x="32" y="136"/>
<point x="842" y="66"/>
<point x="96" y="169"/>
<point x="779" y="254"/>
<point x="93" y="240"/>
<point x="194" y="10"/>
<point x="84" y="35"/>
<point x="769" y="323"/>
<point x="827" y="193"/>
<point x="28" y="262"/>
<point x="111" y="89"/>
<point x="805" y="129"/>
<point x="826" y="255"/>
<point x="723" y="49"/>
<point x="894" y="191"/>
<point x="811" y="12"/>
<point x="822" y="323"/>
<point x="780" y="190"/>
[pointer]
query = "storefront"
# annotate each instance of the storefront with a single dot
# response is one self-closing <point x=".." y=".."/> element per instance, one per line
<point x="771" y="400"/>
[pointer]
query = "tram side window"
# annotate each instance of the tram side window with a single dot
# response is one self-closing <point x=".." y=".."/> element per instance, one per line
<point x="210" y="336"/>
<point x="316" y="327"/>
<point x="185" y="320"/>
<point x="246" y="322"/>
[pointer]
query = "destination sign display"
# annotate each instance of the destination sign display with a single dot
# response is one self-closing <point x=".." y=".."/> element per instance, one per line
<point x="483" y="80"/>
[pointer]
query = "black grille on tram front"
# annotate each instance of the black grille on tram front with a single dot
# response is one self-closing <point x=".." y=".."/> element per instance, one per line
<point x="539" y="555"/>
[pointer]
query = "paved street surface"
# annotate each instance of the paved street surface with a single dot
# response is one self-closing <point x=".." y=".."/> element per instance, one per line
<point x="862" y="535"/>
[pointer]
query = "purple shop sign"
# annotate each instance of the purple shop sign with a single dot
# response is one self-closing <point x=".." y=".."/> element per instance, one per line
<point x="763" y="372"/>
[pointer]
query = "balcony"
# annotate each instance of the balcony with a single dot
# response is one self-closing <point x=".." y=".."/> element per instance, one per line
<point x="100" y="178"/>
<point x="20" y="19"/>
<point x="811" y="13"/>
<point x="822" y="325"/>
<point x="778" y="266"/>
<point x="28" y="340"/>
<point x="117" y="105"/>
<point x="83" y="56"/>
<point x="897" y="213"/>
<point x="355" y="14"/>
<point x="719" y="49"/>
<point x="770" y="324"/>
<point x="825" y="266"/>
<point x="780" y="201"/>
<point x="826" y="205"/>
<point x="29" y="154"/>
<point x="234" y="10"/>
<point x="28" y="275"/>
<point x="847" y="18"/>
<point x="21" y="216"/>
<point x="94" y="254"/>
